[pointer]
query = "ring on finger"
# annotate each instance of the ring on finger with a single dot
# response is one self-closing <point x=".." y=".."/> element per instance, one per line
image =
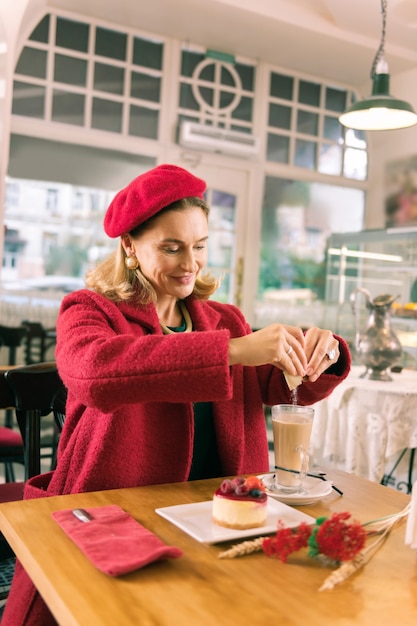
<point x="331" y="354"/>
<point x="290" y="349"/>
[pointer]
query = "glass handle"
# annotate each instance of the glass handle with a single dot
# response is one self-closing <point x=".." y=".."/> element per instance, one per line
<point x="305" y="460"/>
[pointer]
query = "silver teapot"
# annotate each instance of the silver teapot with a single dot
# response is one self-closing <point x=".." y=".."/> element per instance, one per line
<point x="378" y="348"/>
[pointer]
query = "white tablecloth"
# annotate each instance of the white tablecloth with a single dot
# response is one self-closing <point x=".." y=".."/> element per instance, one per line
<point x="364" y="423"/>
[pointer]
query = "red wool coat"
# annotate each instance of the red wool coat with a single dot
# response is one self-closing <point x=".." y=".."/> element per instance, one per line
<point x="129" y="417"/>
<point x="131" y="391"/>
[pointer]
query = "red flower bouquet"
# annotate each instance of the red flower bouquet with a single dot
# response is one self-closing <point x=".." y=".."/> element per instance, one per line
<point x="335" y="538"/>
<point x="338" y="540"/>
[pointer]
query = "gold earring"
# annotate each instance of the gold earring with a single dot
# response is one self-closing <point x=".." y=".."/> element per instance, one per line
<point x="131" y="262"/>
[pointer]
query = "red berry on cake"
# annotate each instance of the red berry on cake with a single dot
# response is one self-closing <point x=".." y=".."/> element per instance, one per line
<point x="242" y="490"/>
<point x="227" y="486"/>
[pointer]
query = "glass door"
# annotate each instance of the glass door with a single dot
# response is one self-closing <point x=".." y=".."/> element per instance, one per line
<point x="226" y="197"/>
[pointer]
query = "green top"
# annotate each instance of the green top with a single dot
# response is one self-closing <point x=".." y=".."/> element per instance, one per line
<point x="205" y="462"/>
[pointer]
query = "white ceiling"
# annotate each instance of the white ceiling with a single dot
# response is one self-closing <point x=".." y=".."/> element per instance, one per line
<point x="334" y="39"/>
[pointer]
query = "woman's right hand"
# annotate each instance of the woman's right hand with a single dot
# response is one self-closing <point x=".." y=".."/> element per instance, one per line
<point x="277" y="344"/>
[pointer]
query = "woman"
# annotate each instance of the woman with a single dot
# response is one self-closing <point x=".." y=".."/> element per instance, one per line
<point x="164" y="384"/>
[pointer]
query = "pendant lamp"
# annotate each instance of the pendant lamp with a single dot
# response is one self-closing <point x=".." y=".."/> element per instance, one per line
<point x="380" y="111"/>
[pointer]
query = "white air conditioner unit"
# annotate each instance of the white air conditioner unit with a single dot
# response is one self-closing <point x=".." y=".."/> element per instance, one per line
<point x="213" y="139"/>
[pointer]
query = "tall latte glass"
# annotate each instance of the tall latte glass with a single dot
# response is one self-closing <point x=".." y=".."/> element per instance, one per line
<point x="292" y="425"/>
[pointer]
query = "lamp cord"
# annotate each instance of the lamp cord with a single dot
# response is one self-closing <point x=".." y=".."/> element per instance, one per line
<point x="381" y="50"/>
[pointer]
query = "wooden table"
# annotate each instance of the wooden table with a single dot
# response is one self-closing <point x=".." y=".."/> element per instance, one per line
<point x="201" y="589"/>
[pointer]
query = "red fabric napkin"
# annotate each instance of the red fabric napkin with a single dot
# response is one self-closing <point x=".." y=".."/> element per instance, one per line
<point x="113" y="541"/>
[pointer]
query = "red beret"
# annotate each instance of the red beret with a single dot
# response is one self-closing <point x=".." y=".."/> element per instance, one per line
<point x="147" y="194"/>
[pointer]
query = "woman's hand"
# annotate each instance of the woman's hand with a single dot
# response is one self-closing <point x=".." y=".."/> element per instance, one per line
<point x="322" y="350"/>
<point x="288" y="348"/>
<point x="277" y="344"/>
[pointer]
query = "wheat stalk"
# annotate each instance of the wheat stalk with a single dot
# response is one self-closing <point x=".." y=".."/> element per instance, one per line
<point x="240" y="549"/>
<point x="382" y="523"/>
<point x="344" y="571"/>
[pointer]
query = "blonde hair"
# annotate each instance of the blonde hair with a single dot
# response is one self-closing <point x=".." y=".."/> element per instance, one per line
<point x="115" y="281"/>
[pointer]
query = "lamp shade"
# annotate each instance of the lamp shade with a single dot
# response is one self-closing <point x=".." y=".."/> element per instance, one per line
<point x="380" y="111"/>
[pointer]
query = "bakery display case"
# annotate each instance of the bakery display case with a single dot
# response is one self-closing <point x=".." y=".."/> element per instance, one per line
<point x="382" y="262"/>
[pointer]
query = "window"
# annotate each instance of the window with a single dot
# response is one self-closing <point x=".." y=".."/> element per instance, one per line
<point x="304" y="130"/>
<point x="125" y="71"/>
<point x="297" y="219"/>
<point x="216" y="92"/>
<point x="56" y="228"/>
<point x="51" y="200"/>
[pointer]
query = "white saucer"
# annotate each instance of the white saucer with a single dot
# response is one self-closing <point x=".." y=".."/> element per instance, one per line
<point x="313" y="489"/>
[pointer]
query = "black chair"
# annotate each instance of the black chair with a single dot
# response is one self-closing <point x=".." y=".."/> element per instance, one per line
<point x="11" y="451"/>
<point x="59" y="402"/>
<point x="58" y="406"/>
<point x="34" y="388"/>
<point x="11" y="337"/>
<point x="37" y="342"/>
<point x="29" y="390"/>
<point x="11" y="442"/>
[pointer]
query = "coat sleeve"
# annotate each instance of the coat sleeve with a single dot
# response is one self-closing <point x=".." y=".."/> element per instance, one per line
<point x="108" y="361"/>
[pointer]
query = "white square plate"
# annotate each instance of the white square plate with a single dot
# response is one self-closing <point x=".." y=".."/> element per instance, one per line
<point x="195" y="520"/>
